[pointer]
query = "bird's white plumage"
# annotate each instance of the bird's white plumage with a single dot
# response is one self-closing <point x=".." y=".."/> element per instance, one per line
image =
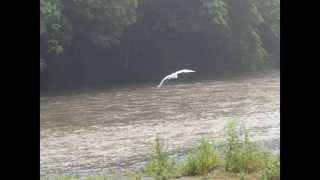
<point x="174" y="75"/>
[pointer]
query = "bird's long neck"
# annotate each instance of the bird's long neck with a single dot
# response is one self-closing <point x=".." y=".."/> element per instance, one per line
<point x="163" y="80"/>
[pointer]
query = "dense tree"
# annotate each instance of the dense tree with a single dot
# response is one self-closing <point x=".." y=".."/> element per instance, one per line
<point x="70" y="29"/>
<point x="94" y="39"/>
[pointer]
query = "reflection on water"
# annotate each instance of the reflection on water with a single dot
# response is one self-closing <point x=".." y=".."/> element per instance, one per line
<point x="84" y="134"/>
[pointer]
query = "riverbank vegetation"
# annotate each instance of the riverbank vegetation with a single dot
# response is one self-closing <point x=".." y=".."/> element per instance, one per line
<point x="238" y="158"/>
<point x="99" y="42"/>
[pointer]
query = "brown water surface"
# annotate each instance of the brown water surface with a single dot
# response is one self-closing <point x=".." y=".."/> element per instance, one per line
<point x="88" y="133"/>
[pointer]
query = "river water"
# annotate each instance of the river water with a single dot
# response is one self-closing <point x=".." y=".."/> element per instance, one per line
<point x="90" y="133"/>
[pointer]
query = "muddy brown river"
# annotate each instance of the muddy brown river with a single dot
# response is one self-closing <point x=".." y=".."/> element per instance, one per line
<point x="90" y="133"/>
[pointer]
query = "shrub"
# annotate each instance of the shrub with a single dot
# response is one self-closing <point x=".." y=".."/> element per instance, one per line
<point x="241" y="157"/>
<point x="134" y="175"/>
<point x="159" y="165"/>
<point x="244" y="156"/>
<point x="202" y="159"/>
<point x="271" y="168"/>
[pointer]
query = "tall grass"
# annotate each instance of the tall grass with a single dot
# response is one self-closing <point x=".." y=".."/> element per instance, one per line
<point x="100" y="178"/>
<point x="159" y="164"/>
<point x="239" y="156"/>
<point x="131" y="175"/>
<point x="202" y="159"/>
<point x="271" y="168"/>
<point x="242" y="156"/>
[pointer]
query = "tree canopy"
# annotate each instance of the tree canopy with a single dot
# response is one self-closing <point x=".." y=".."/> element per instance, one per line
<point x="86" y="40"/>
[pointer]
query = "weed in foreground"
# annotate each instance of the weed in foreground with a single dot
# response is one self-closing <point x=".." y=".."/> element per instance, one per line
<point x="243" y="156"/>
<point x="159" y="165"/>
<point x="271" y="167"/>
<point x="100" y="178"/>
<point x="131" y="175"/>
<point x="65" y="178"/>
<point x="201" y="160"/>
<point x="240" y="157"/>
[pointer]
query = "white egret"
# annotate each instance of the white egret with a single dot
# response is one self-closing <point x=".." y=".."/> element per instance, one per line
<point x="174" y="76"/>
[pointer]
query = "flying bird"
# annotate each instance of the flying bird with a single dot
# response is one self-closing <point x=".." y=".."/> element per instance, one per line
<point x="174" y="76"/>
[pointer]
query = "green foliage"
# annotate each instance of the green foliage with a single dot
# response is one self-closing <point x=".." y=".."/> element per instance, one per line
<point x="270" y="11"/>
<point x="102" y="21"/>
<point x="55" y="32"/>
<point x="255" y="55"/>
<point x="255" y="15"/>
<point x="201" y="160"/>
<point x="217" y="9"/>
<point x="159" y="165"/>
<point x="50" y="16"/>
<point x="65" y="178"/>
<point x="271" y="167"/>
<point x="100" y="178"/>
<point x="134" y="175"/>
<point x="50" y="11"/>
<point x="243" y="176"/>
<point x="182" y="16"/>
<point x="55" y="47"/>
<point x="160" y="30"/>
<point x="242" y="156"/>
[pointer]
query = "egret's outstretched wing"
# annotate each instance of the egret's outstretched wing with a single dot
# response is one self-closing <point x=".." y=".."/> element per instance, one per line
<point x="174" y="75"/>
<point x="185" y="71"/>
<point x="163" y="80"/>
